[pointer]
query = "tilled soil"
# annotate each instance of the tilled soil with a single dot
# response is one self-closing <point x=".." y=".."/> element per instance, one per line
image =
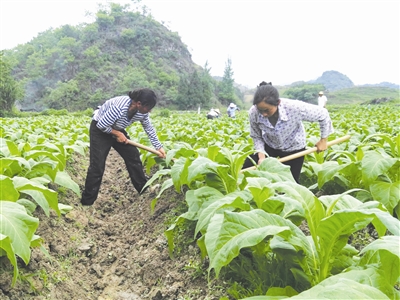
<point x="115" y="249"/>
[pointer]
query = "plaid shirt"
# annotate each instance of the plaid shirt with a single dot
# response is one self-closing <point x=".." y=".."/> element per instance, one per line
<point x="113" y="114"/>
<point x="288" y="134"/>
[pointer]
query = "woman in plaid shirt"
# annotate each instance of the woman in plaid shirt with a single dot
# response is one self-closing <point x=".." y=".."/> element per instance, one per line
<point x="276" y="127"/>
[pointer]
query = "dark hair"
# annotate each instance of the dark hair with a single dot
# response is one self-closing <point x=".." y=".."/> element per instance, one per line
<point x="267" y="93"/>
<point x="146" y="96"/>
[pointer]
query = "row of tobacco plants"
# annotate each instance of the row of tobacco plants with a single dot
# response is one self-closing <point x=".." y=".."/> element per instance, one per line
<point x="272" y="237"/>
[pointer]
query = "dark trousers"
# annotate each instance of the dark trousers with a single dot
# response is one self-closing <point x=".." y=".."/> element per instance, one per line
<point x="295" y="164"/>
<point x="100" y="145"/>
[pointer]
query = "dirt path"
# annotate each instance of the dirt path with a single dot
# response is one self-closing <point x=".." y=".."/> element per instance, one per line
<point x="115" y="249"/>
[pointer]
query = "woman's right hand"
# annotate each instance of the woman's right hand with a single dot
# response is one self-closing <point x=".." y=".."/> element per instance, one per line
<point x="261" y="157"/>
<point x="162" y="153"/>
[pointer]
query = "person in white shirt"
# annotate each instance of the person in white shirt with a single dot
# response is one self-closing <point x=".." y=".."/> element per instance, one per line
<point x="322" y="99"/>
<point x="232" y="108"/>
<point x="213" y="113"/>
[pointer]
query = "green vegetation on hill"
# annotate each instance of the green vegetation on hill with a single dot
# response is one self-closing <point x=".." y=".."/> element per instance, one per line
<point x="358" y="95"/>
<point x="76" y="67"/>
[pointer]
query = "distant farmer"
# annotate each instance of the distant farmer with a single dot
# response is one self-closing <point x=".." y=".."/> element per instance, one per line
<point x="107" y="130"/>
<point x="213" y="113"/>
<point x="322" y="99"/>
<point x="232" y="108"/>
<point x="276" y="127"/>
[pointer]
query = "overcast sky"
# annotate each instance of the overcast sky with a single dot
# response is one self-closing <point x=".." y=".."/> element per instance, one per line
<point x="278" y="41"/>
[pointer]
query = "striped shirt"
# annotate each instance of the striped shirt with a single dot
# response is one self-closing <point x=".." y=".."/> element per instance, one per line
<point x="113" y="114"/>
<point x="288" y="134"/>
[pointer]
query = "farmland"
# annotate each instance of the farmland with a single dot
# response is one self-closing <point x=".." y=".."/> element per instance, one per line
<point x="210" y="231"/>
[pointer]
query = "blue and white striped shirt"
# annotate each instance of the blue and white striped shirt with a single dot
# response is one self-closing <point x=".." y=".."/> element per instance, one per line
<point x="113" y="114"/>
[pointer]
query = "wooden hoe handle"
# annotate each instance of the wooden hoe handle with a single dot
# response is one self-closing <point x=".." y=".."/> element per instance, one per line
<point x="307" y="151"/>
<point x="143" y="147"/>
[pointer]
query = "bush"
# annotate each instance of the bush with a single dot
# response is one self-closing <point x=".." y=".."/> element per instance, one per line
<point x="164" y="113"/>
<point x="54" y="112"/>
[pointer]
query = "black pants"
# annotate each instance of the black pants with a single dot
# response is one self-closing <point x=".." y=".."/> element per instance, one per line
<point x="295" y="164"/>
<point x="100" y="145"/>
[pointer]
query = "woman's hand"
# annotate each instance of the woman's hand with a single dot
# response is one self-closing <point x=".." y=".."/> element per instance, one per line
<point x="162" y="153"/>
<point x="321" y="145"/>
<point x="119" y="136"/>
<point x="261" y="157"/>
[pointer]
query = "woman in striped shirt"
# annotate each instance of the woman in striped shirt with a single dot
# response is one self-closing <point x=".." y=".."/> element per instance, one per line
<point x="107" y="130"/>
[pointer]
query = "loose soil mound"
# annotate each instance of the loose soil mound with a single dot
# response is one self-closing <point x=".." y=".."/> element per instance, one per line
<point x="115" y="249"/>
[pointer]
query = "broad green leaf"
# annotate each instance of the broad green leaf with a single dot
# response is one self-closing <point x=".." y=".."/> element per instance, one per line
<point x="341" y="288"/>
<point x="238" y="230"/>
<point x="386" y="193"/>
<point x="333" y="233"/>
<point x="196" y="198"/>
<point x="338" y="202"/>
<point x="10" y="166"/>
<point x="260" y="190"/>
<point x="55" y="148"/>
<point x="19" y="226"/>
<point x="199" y="167"/>
<point x="8" y="192"/>
<point x="179" y="172"/>
<point x="292" y="209"/>
<point x="313" y="209"/>
<point x="44" y="197"/>
<point x="28" y="204"/>
<point x="232" y="201"/>
<point x="383" y="219"/>
<point x="211" y="239"/>
<point x="328" y="170"/>
<point x="57" y="157"/>
<point x="335" y="287"/>
<point x="13" y="148"/>
<point x="372" y="276"/>
<point x="78" y="148"/>
<point x="375" y="163"/>
<point x="273" y="170"/>
<point x="43" y="168"/>
<point x="221" y="179"/>
<point x="287" y="291"/>
<point x="344" y="259"/>
<point x="385" y="253"/>
<point x="63" y="179"/>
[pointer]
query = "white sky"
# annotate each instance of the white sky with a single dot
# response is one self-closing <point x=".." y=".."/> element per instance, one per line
<point x="279" y="41"/>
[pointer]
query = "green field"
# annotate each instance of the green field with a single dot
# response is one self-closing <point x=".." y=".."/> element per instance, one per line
<point x="260" y="231"/>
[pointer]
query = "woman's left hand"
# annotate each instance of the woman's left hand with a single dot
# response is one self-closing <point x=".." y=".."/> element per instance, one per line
<point x="321" y="145"/>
